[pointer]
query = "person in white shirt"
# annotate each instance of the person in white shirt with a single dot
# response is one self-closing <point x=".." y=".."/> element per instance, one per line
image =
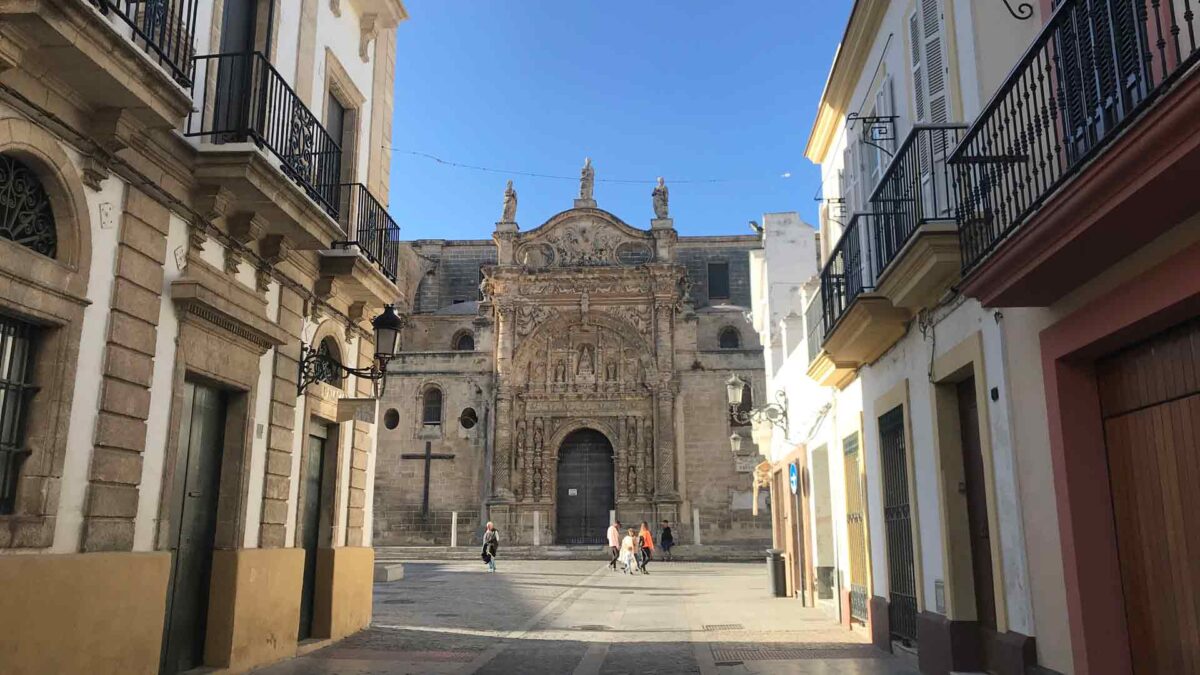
<point x="614" y="544"/>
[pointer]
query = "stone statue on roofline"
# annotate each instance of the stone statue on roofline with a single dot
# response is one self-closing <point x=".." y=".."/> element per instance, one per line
<point x="510" y="205"/>
<point x="660" y="196"/>
<point x="587" y="180"/>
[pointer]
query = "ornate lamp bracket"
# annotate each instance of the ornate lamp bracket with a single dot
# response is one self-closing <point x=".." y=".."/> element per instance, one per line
<point x="1022" y="11"/>
<point x="775" y="413"/>
<point x="316" y="366"/>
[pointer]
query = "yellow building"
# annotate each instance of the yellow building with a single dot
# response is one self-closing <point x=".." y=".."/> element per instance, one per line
<point x="193" y="246"/>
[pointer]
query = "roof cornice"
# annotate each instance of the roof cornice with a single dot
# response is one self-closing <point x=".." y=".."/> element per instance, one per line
<point x="865" y="18"/>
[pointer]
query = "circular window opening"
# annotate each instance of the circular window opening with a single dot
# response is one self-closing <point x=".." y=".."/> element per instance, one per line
<point x="468" y="418"/>
<point x="391" y="418"/>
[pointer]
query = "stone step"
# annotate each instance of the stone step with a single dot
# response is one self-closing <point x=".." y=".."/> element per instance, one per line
<point x="388" y="571"/>
<point x="720" y="553"/>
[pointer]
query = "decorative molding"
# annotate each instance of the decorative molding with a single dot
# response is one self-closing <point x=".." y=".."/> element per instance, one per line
<point x="273" y="249"/>
<point x="212" y="201"/>
<point x="246" y="226"/>
<point x="368" y="30"/>
<point x="95" y="171"/>
<point x="233" y="259"/>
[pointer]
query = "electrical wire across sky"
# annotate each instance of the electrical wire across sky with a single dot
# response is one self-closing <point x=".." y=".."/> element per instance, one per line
<point x="652" y="181"/>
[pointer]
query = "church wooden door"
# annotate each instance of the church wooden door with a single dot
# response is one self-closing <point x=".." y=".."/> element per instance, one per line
<point x="585" y="488"/>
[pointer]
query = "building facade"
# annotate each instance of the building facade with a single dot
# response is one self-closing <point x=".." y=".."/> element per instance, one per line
<point x="192" y="232"/>
<point x="912" y="496"/>
<point x="1008" y="292"/>
<point x="552" y="376"/>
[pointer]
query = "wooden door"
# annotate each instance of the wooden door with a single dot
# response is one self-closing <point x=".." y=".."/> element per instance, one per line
<point x="585" y="488"/>
<point x="977" y="508"/>
<point x="1150" y="398"/>
<point x="310" y="519"/>
<point x="194" y="497"/>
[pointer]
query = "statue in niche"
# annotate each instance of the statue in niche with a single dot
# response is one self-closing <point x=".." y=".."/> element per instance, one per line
<point x="520" y="443"/>
<point x="610" y="370"/>
<point x="537" y="372"/>
<point x="660" y="196"/>
<point x="560" y="371"/>
<point x="632" y="479"/>
<point x="509" y="214"/>
<point x="537" y="483"/>
<point x="587" y="364"/>
<point x="587" y="179"/>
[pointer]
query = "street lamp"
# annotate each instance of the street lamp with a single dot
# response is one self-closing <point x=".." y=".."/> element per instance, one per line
<point x="775" y="413"/>
<point x="387" y="328"/>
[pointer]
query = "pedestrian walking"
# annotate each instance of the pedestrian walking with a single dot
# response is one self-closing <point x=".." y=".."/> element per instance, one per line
<point x="614" y="544"/>
<point x="628" y="553"/>
<point x="666" y="540"/>
<point x="491" y="542"/>
<point x="645" y="547"/>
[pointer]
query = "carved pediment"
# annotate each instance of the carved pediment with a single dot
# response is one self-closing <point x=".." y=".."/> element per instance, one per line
<point x="584" y="237"/>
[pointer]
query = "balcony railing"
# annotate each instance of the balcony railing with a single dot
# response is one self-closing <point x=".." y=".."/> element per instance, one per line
<point x="241" y="97"/>
<point x="849" y="270"/>
<point x="163" y="28"/>
<point x="371" y="228"/>
<point x="1096" y="65"/>
<point x="916" y="188"/>
<point x="813" y="327"/>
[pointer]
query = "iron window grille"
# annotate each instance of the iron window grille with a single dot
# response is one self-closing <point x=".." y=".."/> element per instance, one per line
<point x="17" y="340"/>
<point x="26" y="216"/>
<point x="431" y="406"/>
<point x="324" y="369"/>
<point x="897" y="516"/>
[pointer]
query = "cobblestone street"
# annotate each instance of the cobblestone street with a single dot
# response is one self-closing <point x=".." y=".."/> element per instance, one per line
<point x="580" y="617"/>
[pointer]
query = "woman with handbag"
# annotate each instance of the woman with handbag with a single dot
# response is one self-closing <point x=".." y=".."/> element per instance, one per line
<point x="491" y="542"/>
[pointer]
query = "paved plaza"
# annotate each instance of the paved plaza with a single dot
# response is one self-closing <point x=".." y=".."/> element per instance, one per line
<point x="580" y="617"/>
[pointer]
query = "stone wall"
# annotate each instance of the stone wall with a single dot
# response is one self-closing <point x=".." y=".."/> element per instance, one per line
<point x="696" y="252"/>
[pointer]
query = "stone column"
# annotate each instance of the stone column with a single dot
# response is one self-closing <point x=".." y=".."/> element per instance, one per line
<point x="502" y="460"/>
<point x="664" y="432"/>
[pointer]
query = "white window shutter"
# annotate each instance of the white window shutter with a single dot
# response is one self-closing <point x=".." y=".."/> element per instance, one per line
<point x="918" y="65"/>
<point x="936" y="69"/>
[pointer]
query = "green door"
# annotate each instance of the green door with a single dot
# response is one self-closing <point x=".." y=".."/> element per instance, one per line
<point x="193" y="495"/>
<point x="310" y="518"/>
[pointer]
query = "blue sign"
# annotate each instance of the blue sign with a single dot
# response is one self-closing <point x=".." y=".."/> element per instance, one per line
<point x="793" y="478"/>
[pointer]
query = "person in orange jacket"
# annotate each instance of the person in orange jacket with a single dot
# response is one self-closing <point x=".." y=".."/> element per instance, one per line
<point x="646" y="546"/>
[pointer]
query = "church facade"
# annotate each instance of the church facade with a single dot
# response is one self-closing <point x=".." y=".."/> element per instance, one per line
<point x="550" y="377"/>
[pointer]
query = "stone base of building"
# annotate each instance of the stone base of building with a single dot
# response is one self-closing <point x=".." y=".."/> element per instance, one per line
<point x="105" y="612"/>
<point x="83" y="613"/>
<point x="254" y="606"/>
<point x="344" y="591"/>
<point x="881" y="626"/>
<point x="948" y="646"/>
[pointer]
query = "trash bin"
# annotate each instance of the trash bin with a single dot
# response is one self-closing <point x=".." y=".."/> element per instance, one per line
<point x="776" y="573"/>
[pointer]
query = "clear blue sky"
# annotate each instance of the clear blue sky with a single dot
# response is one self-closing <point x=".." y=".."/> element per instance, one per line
<point x="688" y="90"/>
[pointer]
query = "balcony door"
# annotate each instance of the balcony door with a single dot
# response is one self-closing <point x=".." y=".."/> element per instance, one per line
<point x="235" y="69"/>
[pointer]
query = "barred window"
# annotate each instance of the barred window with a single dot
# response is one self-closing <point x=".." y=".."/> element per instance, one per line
<point x="16" y="388"/>
<point x="326" y="371"/>
<point x="464" y="341"/>
<point x="431" y="406"/>
<point x="25" y="213"/>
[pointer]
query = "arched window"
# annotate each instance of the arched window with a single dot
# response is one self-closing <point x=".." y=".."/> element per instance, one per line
<point x="729" y="338"/>
<point x="25" y="213"/>
<point x="431" y="405"/>
<point x="463" y="341"/>
<point x="326" y="372"/>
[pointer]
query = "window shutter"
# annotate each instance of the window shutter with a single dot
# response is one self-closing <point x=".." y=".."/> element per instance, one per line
<point x="849" y="179"/>
<point x="918" y="65"/>
<point x="936" y="71"/>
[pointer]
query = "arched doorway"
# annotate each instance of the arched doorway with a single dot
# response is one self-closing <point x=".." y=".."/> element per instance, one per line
<point x="585" y="488"/>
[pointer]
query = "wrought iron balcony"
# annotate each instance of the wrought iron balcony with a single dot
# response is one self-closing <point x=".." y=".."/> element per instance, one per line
<point x="1094" y="68"/>
<point x="163" y="28"/>
<point x="241" y="97"/>
<point x="917" y="187"/>
<point x="849" y="270"/>
<point x="370" y="227"/>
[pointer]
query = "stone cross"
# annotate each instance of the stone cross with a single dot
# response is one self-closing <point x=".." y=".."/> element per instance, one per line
<point x="428" y="456"/>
